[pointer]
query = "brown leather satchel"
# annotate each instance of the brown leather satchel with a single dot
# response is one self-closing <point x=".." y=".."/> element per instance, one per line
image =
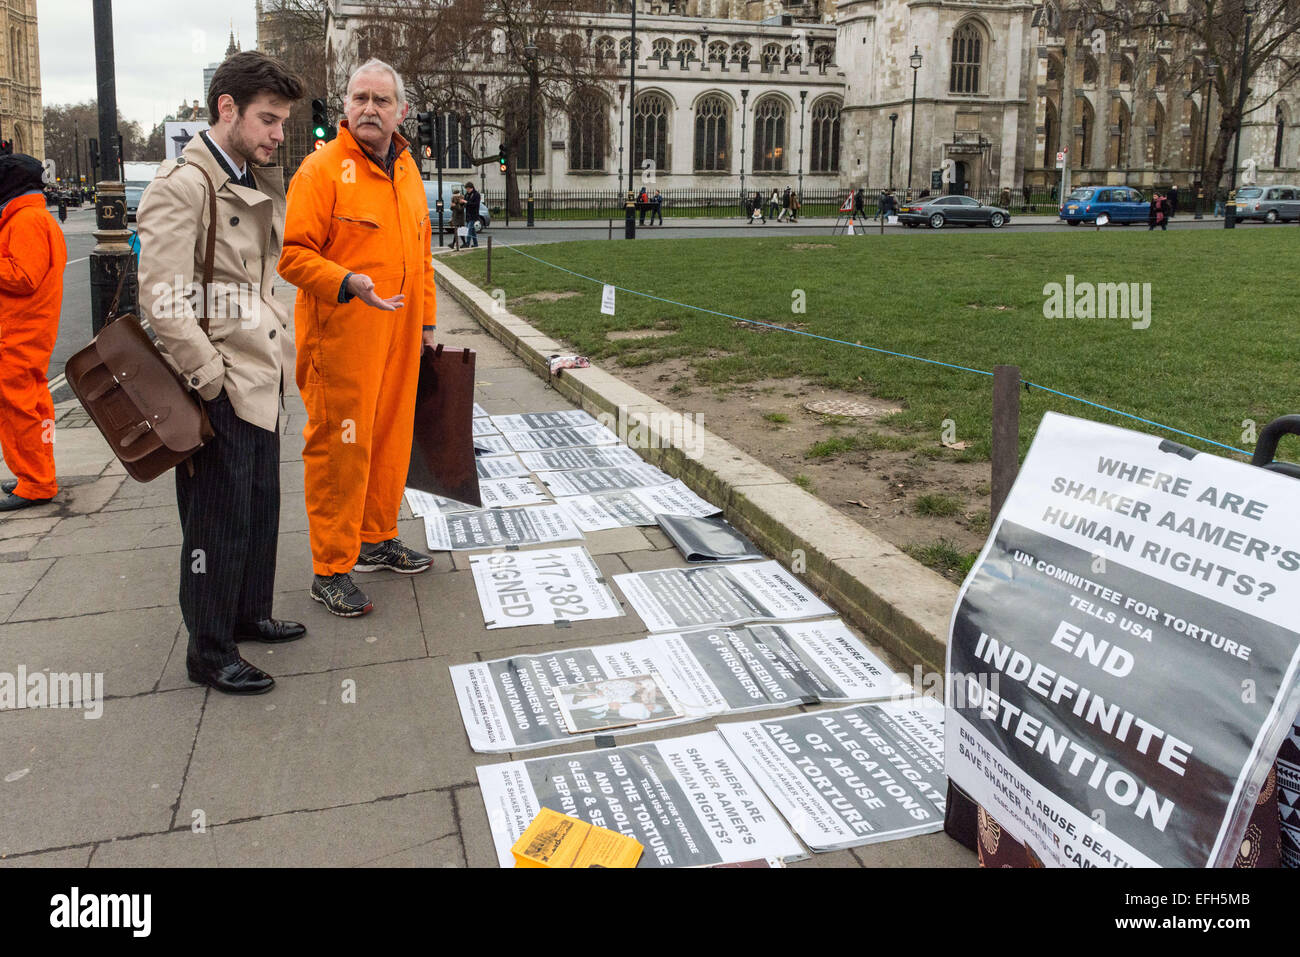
<point x="151" y="419"/>
<point x="442" y="445"/>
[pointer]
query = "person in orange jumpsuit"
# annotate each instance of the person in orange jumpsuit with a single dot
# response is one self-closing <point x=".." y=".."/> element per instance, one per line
<point x="357" y="245"/>
<point x="32" y="257"/>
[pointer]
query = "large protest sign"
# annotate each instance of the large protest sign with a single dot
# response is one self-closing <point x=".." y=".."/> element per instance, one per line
<point x="497" y="527"/>
<point x="687" y="800"/>
<point x="590" y="481"/>
<point x="851" y="776"/>
<point x="672" y="598"/>
<point x="507" y="704"/>
<point x="636" y="506"/>
<point x="601" y="457"/>
<point x="568" y="437"/>
<point x="541" y="587"/>
<point x="1124" y="651"/>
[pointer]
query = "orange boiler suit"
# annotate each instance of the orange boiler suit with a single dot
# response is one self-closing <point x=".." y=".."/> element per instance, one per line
<point x="32" y="258"/>
<point x="357" y="366"/>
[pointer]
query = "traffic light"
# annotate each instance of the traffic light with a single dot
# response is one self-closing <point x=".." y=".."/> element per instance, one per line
<point x="501" y="160"/>
<point x="94" y="155"/>
<point x="424" y="123"/>
<point x="320" y="123"/>
<point x="6" y="147"/>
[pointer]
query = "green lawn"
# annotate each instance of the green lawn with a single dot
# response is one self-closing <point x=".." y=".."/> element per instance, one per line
<point x="1221" y="347"/>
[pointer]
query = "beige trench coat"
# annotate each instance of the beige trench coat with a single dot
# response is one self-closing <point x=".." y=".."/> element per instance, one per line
<point x="248" y="345"/>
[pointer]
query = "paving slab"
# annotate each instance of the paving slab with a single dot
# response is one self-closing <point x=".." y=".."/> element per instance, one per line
<point x="71" y="857"/>
<point x="417" y="830"/>
<point x="302" y="747"/>
<point x="67" y="780"/>
<point x="86" y="583"/>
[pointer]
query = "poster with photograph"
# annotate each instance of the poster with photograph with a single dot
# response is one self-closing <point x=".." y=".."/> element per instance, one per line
<point x="499" y="466"/>
<point x="605" y="703"/>
<point x="606" y="456"/>
<point x="670" y="599"/>
<point x="591" y="481"/>
<point x="1126" y="650"/>
<point x="177" y="135"/>
<point x="508" y="705"/>
<point x="563" y="438"/>
<point x="637" y="506"/>
<point x="541" y="587"/>
<point x="850" y="776"/>
<point x="499" y="527"/>
<point x="688" y="801"/>
<point x="531" y="421"/>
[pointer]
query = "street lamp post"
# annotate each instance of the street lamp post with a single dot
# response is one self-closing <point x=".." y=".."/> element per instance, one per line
<point x="1211" y="67"/>
<point x="803" y="98"/>
<point x="1230" y="208"/>
<point x="482" y="134"/>
<point x="622" y="92"/>
<point x="629" y="204"/>
<point x="111" y="259"/>
<point x="915" y="61"/>
<point x="744" y="100"/>
<point x="530" y="60"/>
<point x="893" y="122"/>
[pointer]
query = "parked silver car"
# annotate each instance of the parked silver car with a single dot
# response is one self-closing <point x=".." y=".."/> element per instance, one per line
<point x="1268" y="203"/>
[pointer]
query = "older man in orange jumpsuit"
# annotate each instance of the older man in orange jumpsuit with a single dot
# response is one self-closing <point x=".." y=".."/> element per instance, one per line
<point x="357" y="245"/>
<point x="32" y="257"/>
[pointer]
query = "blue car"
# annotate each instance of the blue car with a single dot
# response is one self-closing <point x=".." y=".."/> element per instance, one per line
<point x="1121" y="204"/>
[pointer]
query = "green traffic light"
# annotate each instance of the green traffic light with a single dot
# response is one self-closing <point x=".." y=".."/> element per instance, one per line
<point x="320" y="132"/>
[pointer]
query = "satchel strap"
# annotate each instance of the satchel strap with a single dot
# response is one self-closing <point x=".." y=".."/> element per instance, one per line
<point x="209" y="257"/>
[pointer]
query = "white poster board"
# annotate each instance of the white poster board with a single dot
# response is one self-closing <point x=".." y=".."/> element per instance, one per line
<point x="541" y="587"/>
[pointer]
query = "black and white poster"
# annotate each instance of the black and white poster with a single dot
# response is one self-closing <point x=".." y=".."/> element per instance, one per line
<point x="498" y="527"/>
<point x="563" y="438"/>
<point x="671" y="599"/>
<point x="688" y="801"/>
<point x="589" y="458"/>
<point x="495" y="493"/>
<point x="483" y="426"/>
<point x="499" y="466"/>
<point x="850" y="776"/>
<point x="479" y="411"/>
<point x="590" y="481"/>
<point x="636" y="506"/>
<point x="531" y="421"/>
<point x="507" y="704"/>
<point x="1125" y="650"/>
<point x="492" y="445"/>
<point x="541" y="587"/>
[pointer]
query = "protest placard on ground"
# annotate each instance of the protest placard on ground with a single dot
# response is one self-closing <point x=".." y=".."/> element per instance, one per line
<point x="850" y="776"/>
<point x="635" y="506"/>
<point x="540" y="587"/>
<point x="1125" y="650"/>
<point x="670" y="599"/>
<point x="530" y="421"/>
<point x="499" y="527"/>
<point x="568" y="437"/>
<point x="687" y="800"/>
<point x="590" y="481"/>
<point x="495" y="493"/>
<point x="499" y="466"/>
<point x="605" y="456"/>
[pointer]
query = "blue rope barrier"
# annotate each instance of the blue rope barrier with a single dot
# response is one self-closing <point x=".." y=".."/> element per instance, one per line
<point x="887" y="352"/>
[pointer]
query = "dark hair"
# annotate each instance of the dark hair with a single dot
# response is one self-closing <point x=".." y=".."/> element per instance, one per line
<point x="246" y="75"/>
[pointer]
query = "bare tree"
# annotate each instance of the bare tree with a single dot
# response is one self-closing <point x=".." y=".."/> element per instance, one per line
<point x="69" y="128"/>
<point x="444" y="50"/>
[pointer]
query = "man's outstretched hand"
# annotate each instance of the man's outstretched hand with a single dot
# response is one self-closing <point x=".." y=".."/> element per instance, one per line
<point x="361" y="286"/>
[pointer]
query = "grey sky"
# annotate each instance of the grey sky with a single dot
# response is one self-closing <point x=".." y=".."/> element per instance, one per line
<point x="160" y="46"/>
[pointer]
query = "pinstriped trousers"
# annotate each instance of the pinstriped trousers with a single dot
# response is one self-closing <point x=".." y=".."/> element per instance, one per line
<point x="230" y="519"/>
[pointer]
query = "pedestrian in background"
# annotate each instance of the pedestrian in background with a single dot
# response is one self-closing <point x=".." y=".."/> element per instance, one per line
<point x="473" y="200"/>
<point x="756" y="209"/>
<point x="229" y="500"/>
<point x="643" y="204"/>
<point x="859" y="205"/>
<point x="657" y="208"/>
<point x="785" y="204"/>
<point x="773" y="204"/>
<point x="795" y="206"/>
<point x="32" y="258"/>
<point x="1158" y="214"/>
<point x="1173" y="200"/>
<point x="457" y="216"/>
<point x="356" y="244"/>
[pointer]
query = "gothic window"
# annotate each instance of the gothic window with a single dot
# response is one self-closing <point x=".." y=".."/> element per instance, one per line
<point x="1089" y="70"/>
<point x="686" y="51"/>
<point x="793" y="55"/>
<point x="712" y="126"/>
<point x="516" y="123"/>
<point x="769" y="135"/>
<point x="650" y="131"/>
<point x="1125" y="72"/>
<point x="1084" y="132"/>
<point x="662" y="50"/>
<point x="605" y="48"/>
<point x="826" y="135"/>
<point x="1117" y="155"/>
<point x="625" y="45"/>
<point x="1156" y="139"/>
<point x="741" y="53"/>
<point x="967" y="57"/>
<point x="771" y="57"/>
<point x="822" y="57"/>
<point x="1051" y="129"/>
<point x="456" y="141"/>
<point x="718" y="51"/>
<point x="588" y="131"/>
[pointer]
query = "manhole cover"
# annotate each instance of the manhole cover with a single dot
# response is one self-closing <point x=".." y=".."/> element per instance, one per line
<point x="847" y="407"/>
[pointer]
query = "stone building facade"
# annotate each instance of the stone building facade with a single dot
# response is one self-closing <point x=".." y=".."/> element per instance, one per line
<point x="829" y="88"/>
<point x="20" y="79"/>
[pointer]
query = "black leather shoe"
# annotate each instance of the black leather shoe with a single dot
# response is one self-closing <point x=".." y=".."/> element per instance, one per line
<point x="8" y="485"/>
<point x="270" y="631"/>
<point x="238" y="677"/>
<point x="11" y="502"/>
